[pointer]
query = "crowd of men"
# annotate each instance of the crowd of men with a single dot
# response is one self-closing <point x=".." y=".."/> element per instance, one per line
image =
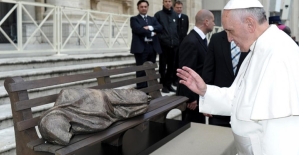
<point x="161" y="34"/>
<point x="165" y="35"/>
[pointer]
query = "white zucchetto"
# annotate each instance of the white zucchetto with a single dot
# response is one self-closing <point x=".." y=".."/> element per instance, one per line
<point x="242" y="4"/>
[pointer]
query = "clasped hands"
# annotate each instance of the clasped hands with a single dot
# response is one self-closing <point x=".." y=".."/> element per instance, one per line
<point x="192" y="105"/>
<point x="148" y="28"/>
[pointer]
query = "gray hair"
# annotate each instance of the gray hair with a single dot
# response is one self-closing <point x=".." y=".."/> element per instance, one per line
<point x="258" y="13"/>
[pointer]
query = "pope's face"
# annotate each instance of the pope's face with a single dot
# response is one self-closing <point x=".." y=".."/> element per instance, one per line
<point x="236" y="30"/>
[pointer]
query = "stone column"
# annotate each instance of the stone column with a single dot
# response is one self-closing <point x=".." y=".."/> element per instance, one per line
<point x="39" y="11"/>
<point x="185" y="6"/>
<point x="74" y="16"/>
<point x="134" y="10"/>
<point x="27" y="24"/>
<point x="155" y="6"/>
<point x="266" y="4"/>
<point x="30" y="9"/>
<point x="115" y="6"/>
<point x="128" y="4"/>
<point x="193" y="6"/>
<point x="83" y="4"/>
<point x="293" y="23"/>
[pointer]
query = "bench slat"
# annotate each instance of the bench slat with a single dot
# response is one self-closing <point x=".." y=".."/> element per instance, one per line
<point x="152" y="88"/>
<point x="48" y="148"/>
<point x="126" y="82"/>
<point x="26" y="85"/>
<point x="23" y="125"/>
<point x="26" y="104"/>
<point x="72" y="149"/>
<point x="34" y="143"/>
<point x="154" y="104"/>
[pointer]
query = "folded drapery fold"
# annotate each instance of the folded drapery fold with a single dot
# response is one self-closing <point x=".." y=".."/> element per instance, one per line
<point x="78" y="111"/>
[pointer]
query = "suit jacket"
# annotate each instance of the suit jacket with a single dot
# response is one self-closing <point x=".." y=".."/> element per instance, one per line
<point x="139" y="33"/>
<point x="218" y="68"/>
<point x="192" y="53"/>
<point x="183" y="26"/>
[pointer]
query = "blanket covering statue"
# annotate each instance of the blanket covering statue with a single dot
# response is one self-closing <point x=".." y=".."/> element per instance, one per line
<point x="79" y="111"/>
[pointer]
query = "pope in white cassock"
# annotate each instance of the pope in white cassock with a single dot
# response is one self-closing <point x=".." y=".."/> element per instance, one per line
<point x="263" y="101"/>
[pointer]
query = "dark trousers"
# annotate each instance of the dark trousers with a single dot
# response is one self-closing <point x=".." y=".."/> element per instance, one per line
<point x="220" y="120"/>
<point x="193" y="116"/>
<point x="166" y="65"/>
<point x="176" y="66"/>
<point x="147" y="55"/>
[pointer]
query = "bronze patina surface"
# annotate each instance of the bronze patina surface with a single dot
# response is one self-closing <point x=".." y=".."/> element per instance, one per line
<point x="79" y="111"/>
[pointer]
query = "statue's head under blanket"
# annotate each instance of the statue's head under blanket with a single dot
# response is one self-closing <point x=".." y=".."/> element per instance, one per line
<point x="78" y="111"/>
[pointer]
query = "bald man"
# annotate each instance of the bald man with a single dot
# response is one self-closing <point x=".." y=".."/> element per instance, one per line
<point x="192" y="53"/>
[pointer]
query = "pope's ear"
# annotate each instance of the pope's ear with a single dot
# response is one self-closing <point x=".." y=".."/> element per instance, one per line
<point x="250" y="24"/>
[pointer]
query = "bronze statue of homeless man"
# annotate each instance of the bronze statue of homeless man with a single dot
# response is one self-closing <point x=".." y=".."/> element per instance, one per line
<point x="78" y="111"/>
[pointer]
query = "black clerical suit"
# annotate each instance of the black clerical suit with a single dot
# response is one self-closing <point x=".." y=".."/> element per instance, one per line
<point x="183" y="27"/>
<point x="192" y="54"/>
<point x="218" y="69"/>
<point x="144" y="46"/>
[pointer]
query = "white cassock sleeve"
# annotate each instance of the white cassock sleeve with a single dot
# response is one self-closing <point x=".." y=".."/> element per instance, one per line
<point x="217" y="101"/>
<point x="280" y="136"/>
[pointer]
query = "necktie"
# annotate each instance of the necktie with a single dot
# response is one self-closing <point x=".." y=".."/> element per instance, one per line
<point x="147" y="38"/>
<point x="235" y="55"/>
<point x="145" y="18"/>
<point x="206" y="42"/>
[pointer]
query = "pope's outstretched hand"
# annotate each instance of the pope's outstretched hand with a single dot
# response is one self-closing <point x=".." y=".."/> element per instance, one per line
<point x="192" y="80"/>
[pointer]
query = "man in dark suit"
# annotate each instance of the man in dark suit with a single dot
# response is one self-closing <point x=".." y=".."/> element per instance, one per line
<point x="183" y="20"/>
<point x="218" y="68"/>
<point x="192" y="54"/>
<point x="183" y="27"/>
<point x="145" y="44"/>
<point x="169" y="41"/>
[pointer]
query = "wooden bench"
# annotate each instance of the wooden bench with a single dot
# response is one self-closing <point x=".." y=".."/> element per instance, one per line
<point x="27" y="139"/>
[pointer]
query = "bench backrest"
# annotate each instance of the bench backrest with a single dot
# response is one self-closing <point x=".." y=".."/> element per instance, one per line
<point x="21" y="105"/>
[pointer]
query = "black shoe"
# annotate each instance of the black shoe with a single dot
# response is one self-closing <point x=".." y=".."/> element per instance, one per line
<point x="165" y="90"/>
<point x="171" y="89"/>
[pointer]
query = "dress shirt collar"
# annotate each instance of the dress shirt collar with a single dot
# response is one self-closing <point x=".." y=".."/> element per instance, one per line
<point x="179" y="15"/>
<point x="143" y="15"/>
<point x="202" y="35"/>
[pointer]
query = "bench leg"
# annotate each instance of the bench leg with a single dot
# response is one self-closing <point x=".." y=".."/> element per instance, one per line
<point x="159" y="118"/>
<point x="115" y="140"/>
